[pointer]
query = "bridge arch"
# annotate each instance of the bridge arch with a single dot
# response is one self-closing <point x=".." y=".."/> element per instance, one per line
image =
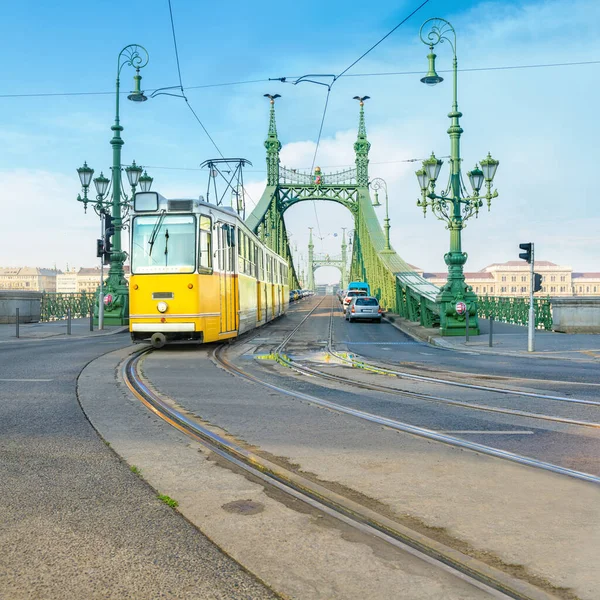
<point x="399" y="288"/>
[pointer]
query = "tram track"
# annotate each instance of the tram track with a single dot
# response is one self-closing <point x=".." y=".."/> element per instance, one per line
<point x="496" y="582"/>
<point x="376" y="368"/>
<point x="279" y="356"/>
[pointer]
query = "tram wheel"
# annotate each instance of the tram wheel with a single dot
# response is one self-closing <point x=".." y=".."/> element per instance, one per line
<point x="158" y="340"/>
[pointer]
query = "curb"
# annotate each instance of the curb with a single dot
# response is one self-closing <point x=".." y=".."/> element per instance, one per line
<point x="433" y="340"/>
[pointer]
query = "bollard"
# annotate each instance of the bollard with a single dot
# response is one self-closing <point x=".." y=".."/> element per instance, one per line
<point x="69" y="321"/>
<point x="17" y="322"/>
<point x="91" y="318"/>
<point x="491" y="330"/>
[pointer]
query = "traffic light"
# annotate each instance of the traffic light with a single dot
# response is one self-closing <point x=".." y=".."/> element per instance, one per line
<point x="537" y="282"/>
<point x="109" y="230"/>
<point x="100" y="248"/>
<point x="527" y="254"/>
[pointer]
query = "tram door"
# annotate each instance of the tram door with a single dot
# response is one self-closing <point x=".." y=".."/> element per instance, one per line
<point x="227" y="290"/>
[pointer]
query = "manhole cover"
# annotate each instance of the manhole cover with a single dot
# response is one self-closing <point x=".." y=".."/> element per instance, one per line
<point x="244" y="507"/>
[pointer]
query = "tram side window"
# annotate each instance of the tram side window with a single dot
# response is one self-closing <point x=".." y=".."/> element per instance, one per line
<point x="261" y="265"/>
<point x="205" y="262"/>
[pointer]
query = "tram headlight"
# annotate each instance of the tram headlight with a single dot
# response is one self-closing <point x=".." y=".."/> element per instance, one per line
<point x="162" y="307"/>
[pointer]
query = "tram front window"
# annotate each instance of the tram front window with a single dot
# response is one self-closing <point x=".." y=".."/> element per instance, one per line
<point x="163" y="244"/>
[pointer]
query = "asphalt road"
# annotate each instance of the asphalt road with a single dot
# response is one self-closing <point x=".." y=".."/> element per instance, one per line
<point x="76" y="522"/>
<point x="497" y="506"/>
<point x="565" y="445"/>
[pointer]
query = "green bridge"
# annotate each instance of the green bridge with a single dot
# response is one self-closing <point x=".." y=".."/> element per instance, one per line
<point x="399" y="288"/>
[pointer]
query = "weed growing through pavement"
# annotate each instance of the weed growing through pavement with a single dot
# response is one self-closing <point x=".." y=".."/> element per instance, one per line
<point x="135" y="470"/>
<point x="167" y="500"/>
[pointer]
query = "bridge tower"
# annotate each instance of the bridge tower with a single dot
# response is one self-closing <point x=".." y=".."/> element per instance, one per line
<point x="311" y="254"/>
<point x="324" y="260"/>
<point x="399" y="288"/>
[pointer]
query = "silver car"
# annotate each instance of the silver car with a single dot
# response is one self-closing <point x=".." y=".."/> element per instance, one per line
<point x="364" y="307"/>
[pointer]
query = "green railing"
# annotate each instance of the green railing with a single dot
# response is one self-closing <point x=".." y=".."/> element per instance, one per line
<point x="399" y="288"/>
<point x="507" y="309"/>
<point x="55" y="305"/>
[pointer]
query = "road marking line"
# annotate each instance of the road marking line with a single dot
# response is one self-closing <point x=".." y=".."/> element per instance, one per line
<point x="27" y="380"/>
<point x="510" y="432"/>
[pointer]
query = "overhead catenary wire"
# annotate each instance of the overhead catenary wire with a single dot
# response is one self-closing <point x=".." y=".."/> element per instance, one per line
<point x="330" y="85"/>
<point x="184" y="95"/>
<point x="375" y="74"/>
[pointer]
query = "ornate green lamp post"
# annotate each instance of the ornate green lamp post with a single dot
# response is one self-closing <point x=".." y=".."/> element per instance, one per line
<point x="377" y="184"/>
<point x="454" y="205"/>
<point x="112" y="204"/>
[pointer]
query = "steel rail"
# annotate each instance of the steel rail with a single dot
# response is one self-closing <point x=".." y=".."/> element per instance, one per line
<point x="286" y="340"/>
<point x="396" y="392"/>
<point x="404" y="375"/>
<point x="413" y="429"/>
<point x="419" y="395"/>
<point x="485" y="577"/>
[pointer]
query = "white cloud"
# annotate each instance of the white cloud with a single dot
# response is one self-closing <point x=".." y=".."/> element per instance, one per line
<point x="43" y="224"/>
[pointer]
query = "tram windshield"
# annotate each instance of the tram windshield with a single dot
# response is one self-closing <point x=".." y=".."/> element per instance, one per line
<point x="163" y="244"/>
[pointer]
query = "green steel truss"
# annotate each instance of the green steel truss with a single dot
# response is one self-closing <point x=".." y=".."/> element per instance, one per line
<point x="399" y="288"/>
<point x="324" y="260"/>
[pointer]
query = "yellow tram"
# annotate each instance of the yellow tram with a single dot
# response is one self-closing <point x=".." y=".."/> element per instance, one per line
<point x="198" y="273"/>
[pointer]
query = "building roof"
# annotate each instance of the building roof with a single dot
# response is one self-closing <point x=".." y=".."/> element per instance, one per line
<point x="521" y="263"/>
<point x="29" y="271"/>
<point x="585" y="275"/>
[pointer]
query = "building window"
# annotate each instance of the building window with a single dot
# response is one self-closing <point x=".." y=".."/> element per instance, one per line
<point x="581" y="288"/>
<point x="562" y="277"/>
<point x="503" y="289"/>
<point x="552" y="278"/>
<point x="587" y="289"/>
<point x="513" y="278"/>
<point x="484" y="290"/>
<point x="503" y="277"/>
<point x="552" y="289"/>
<point x="523" y="289"/>
<point x="562" y="288"/>
<point x="594" y="289"/>
<point x="523" y="278"/>
<point x="513" y="289"/>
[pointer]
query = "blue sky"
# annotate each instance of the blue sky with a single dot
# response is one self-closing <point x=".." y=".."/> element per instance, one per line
<point x="541" y="123"/>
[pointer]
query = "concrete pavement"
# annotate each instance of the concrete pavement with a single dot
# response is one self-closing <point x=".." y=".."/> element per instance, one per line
<point x="54" y="329"/>
<point x="509" y="340"/>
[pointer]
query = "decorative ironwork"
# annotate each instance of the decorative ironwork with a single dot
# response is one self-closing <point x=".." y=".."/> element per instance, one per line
<point x="438" y="34"/>
<point x="55" y="305"/>
<point x="508" y="309"/>
<point x="304" y="177"/>
<point x="399" y="288"/>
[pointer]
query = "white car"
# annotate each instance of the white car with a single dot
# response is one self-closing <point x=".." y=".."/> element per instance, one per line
<point x="348" y="297"/>
<point x="364" y="307"/>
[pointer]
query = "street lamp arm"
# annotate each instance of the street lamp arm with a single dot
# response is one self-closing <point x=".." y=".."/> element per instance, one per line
<point x="133" y="55"/>
<point x="438" y="33"/>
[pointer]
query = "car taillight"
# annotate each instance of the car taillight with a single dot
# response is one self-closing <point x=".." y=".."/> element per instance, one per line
<point x="353" y="309"/>
<point x="379" y="311"/>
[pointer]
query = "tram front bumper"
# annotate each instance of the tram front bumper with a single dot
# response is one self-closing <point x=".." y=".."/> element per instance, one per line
<point x="162" y="327"/>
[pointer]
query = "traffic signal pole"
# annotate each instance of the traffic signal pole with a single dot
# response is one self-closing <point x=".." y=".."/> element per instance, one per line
<point x="101" y="295"/>
<point x="531" y="331"/>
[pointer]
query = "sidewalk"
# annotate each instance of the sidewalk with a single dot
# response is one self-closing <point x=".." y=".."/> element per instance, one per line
<point x="509" y="340"/>
<point x="54" y="329"/>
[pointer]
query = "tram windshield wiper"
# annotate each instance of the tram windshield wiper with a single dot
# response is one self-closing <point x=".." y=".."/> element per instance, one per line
<point x="155" y="231"/>
<point x="166" y="247"/>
